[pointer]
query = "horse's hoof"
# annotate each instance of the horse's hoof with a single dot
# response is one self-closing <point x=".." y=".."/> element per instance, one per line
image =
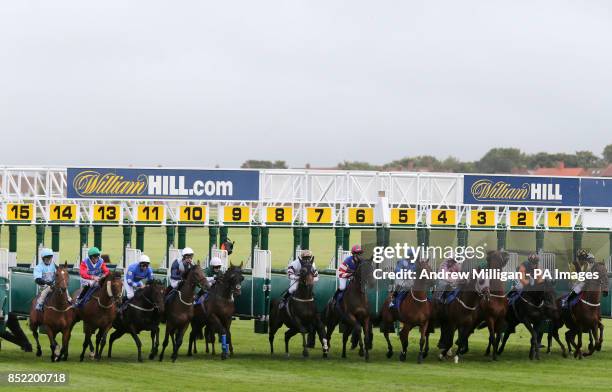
<point x="325" y="356"/>
<point x="189" y="354"/>
<point x="91" y="354"/>
<point x="286" y="355"/>
<point x="361" y="352"/>
<point x="305" y="353"/>
<point x="223" y="356"/>
<point x="440" y="357"/>
<point x="151" y="356"/>
<point x="456" y="359"/>
<point x="81" y="358"/>
<point x="420" y="359"/>
<point x="389" y="353"/>
<point x="140" y="359"/>
<point x="38" y="353"/>
<point x="564" y="354"/>
<point x="402" y="356"/>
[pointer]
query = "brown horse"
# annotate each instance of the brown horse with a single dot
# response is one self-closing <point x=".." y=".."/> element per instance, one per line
<point x="494" y="305"/>
<point x="57" y="316"/>
<point x="414" y="310"/>
<point x="99" y="312"/>
<point x="354" y="311"/>
<point x="216" y="312"/>
<point x="585" y="315"/>
<point x="299" y="313"/>
<point x="460" y="315"/>
<point x="179" y="310"/>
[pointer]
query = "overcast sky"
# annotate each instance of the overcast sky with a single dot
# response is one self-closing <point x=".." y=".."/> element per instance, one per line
<point x="200" y="83"/>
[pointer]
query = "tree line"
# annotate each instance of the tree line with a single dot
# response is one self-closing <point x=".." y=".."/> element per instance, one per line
<point x="496" y="160"/>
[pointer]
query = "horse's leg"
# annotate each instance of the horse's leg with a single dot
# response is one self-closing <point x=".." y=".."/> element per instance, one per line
<point x="345" y="335"/>
<point x="65" y="343"/>
<point x="491" y="328"/>
<point x="601" y="332"/>
<point x="103" y="341"/>
<point x="533" y="349"/>
<point x="504" y="340"/>
<point x="114" y="336"/>
<point x="179" y="340"/>
<point x="423" y="341"/>
<point x="594" y="333"/>
<point x="154" y="342"/>
<point x="34" y="329"/>
<point x="367" y="336"/>
<point x="320" y="329"/>
<point x="291" y="332"/>
<point x="138" y="343"/>
<point x="165" y="343"/>
<point x="555" y="334"/>
<point x="426" y="350"/>
<point x="88" y="333"/>
<point x="229" y="337"/>
<point x="578" y="353"/>
<point x="53" y="343"/>
<point x="206" y="339"/>
<point x="389" y="346"/>
<point x="403" y="335"/>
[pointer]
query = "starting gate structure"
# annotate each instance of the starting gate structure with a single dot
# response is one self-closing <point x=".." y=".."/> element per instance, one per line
<point x="420" y="204"/>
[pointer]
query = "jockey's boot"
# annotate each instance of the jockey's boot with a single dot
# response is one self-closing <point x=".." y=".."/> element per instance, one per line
<point x="84" y="290"/>
<point x="565" y="302"/>
<point x="393" y="299"/>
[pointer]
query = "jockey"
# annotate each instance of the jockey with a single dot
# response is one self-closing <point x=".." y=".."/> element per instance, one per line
<point x="448" y="283"/>
<point x="584" y="261"/>
<point x="347" y="268"/>
<point x="44" y="276"/>
<point x="92" y="269"/>
<point x="527" y="269"/>
<point x="180" y="266"/>
<point x="214" y="270"/>
<point x="293" y="271"/>
<point x="403" y="284"/>
<point x="137" y="275"/>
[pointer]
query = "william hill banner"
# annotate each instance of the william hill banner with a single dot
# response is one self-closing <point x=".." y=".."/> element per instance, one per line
<point x="163" y="184"/>
<point x="513" y="190"/>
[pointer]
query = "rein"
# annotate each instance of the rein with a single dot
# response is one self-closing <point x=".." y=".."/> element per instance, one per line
<point x="529" y="303"/>
<point x="589" y="303"/>
<point x="465" y="306"/>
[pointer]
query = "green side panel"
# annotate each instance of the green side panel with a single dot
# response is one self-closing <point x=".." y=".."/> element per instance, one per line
<point x="606" y="302"/>
<point x="258" y="296"/>
<point x="23" y="290"/>
<point x="4" y="301"/>
<point x="324" y="290"/>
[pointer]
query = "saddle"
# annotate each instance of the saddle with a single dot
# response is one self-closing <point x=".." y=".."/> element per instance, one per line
<point x="449" y="296"/>
<point x="399" y="298"/>
<point x="86" y="297"/>
<point x="570" y="303"/>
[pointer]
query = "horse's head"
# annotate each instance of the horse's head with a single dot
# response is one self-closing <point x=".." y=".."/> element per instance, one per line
<point x="364" y="273"/>
<point x="113" y="284"/>
<point x="62" y="278"/>
<point x="497" y="259"/>
<point x="154" y="292"/>
<point x="601" y="281"/>
<point x="233" y="277"/>
<point x="196" y="276"/>
<point x="306" y="274"/>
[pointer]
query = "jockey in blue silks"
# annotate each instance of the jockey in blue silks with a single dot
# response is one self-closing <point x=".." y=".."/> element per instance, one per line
<point x="44" y="276"/>
<point x="138" y="274"/>
<point x="403" y="283"/>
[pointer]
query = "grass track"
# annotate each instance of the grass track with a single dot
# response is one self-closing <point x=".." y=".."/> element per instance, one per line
<point x="253" y="368"/>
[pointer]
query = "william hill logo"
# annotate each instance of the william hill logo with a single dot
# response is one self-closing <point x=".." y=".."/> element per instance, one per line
<point x="487" y="190"/>
<point x="92" y="183"/>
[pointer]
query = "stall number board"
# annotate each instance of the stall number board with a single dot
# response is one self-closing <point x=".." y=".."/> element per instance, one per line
<point x="360" y="216"/>
<point x="319" y="215"/>
<point x="483" y="218"/>
<point x="559" y="219"/>
<point x="403" y="216"/>
<point x="279" y="214"/>
<point x="236" y="214"/>
<point x="63" y="212"/>
<point x="106" y="213"/>
<point x="19" y="212"/>
<point x="150" y="213"/>
<point x="443" y="217"/>
<point x="521" y="219"/>
<point x="192" y="214"/>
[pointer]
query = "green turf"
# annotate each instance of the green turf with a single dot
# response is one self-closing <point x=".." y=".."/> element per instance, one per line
<point x="252" y="368"/>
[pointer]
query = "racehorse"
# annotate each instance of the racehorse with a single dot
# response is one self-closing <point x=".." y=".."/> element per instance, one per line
<point x="494" y="305"/>
<point x="179" y="310"/>
<point x="355" y="313"/>
<point x="414" y="310"/>
<point x="142" y="313"/>
<point x="98" y="315"/>
<point x="585" y="315"/>
<point x="530" y="309"/>
<point x="460" y="315"/>
<point x="216" y="312"/>
<point x="57" y="316"/>
<point x="299" y="313"/>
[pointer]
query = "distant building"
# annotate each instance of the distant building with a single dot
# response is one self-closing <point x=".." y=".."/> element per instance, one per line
<point x="561" y="170"/>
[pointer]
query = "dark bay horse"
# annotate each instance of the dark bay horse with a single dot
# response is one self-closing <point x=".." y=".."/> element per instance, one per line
<point x="57" y="316"/>
<point x="216" y="312"/>
<point x="99" y="312"/>
<point x="355" y="315"/>
<point x="529" y="309"/>
<point x="179" y="310"/>
<point x="585" y="315"/>
<point x="460" y="315"/>
<point x="494" y="305"/>
<point x="141" y="313"/>
<point x="414" y="310"/>
<point x="299" y="313"/>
